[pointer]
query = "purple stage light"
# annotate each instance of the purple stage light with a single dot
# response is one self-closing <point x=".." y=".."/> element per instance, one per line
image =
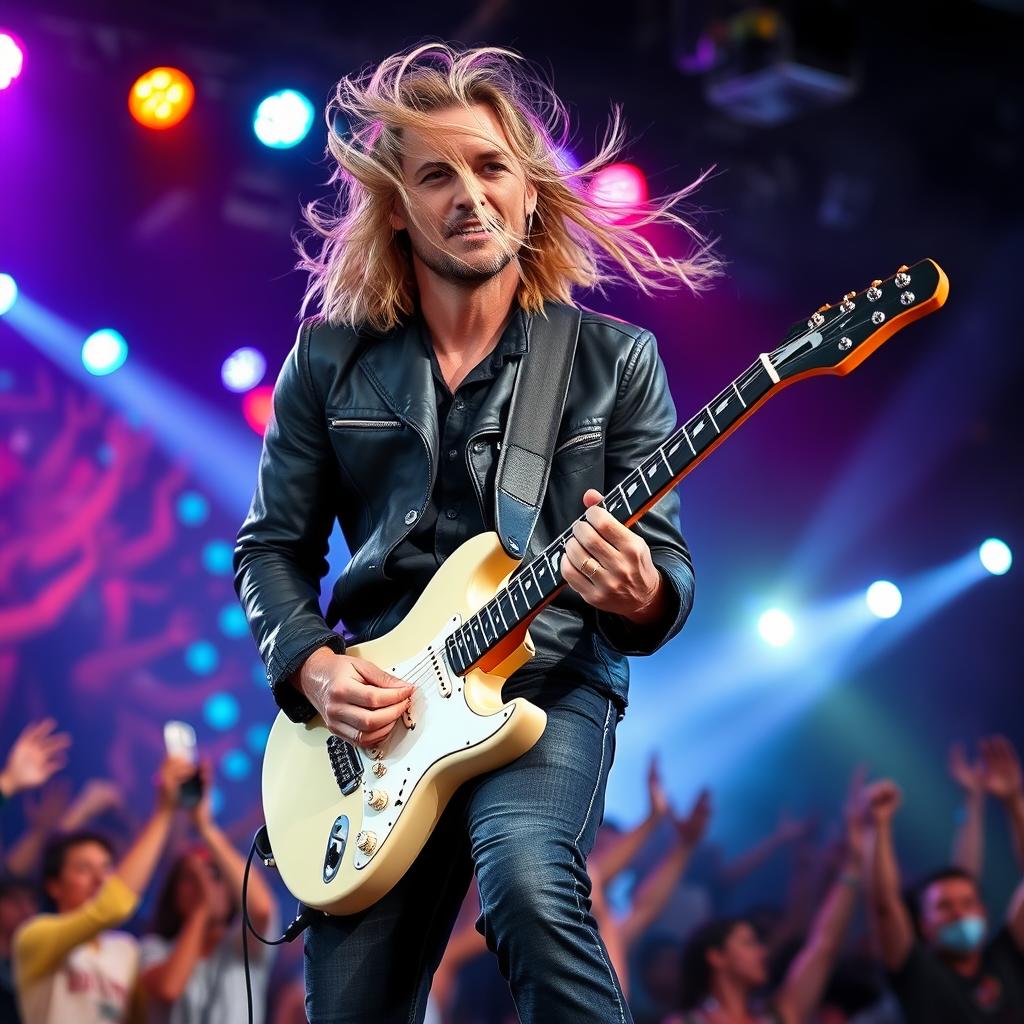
<point x="12" y="59"/>
<point x="621" y="189"/>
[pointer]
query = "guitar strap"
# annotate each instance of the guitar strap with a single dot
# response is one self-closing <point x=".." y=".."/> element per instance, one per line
<point x="538" y="400"/>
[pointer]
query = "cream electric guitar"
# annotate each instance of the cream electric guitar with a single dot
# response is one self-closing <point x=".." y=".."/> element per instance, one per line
<point x="345" y="823"/>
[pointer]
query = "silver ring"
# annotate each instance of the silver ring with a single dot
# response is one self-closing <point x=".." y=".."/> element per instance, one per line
<point x="359" y="736"/>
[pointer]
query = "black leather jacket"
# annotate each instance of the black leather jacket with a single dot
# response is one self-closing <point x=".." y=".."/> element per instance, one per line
<point x="354" y="436"/>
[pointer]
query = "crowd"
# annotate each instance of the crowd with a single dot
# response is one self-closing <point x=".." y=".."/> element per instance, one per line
<point x="843" y="943"/>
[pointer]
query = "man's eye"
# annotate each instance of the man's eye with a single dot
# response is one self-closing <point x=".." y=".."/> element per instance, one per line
<point x="432" y="174"/>
<point x="500" y="167"/>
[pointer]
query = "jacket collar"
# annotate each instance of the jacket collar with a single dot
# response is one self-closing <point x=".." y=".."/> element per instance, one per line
<point x="398" y="365"/>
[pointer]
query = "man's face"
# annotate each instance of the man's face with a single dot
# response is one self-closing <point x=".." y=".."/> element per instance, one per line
<point x="947" y="901"/>
<point x="742" y="956"/>
<point x="446" y="233"/>
<point x="86" y="867"/>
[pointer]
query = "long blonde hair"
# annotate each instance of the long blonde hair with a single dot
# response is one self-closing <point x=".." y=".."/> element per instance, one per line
<point x="361" y="273"/>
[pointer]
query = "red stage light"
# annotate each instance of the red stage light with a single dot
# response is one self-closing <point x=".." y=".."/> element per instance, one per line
<point x="257" y="406"/>
<point x="161" y="97"/>
<point x="620" y="189"/>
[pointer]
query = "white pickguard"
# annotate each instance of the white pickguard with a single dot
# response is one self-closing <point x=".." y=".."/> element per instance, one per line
<point x="442" y="725"/>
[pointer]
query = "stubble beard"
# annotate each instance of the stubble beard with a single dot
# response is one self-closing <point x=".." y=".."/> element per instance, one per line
<point x="450" y="268"/>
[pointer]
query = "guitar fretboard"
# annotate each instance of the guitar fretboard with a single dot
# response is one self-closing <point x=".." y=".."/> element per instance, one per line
<point x="534" y="583"/>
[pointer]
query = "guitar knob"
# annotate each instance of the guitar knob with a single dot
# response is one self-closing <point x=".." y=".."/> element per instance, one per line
<point x="380" y="769"/>
<point x="377" y="799"/>
<point x="366" y="841"/>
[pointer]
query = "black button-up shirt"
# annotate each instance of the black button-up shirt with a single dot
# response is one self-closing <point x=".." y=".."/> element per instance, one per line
<point x="453" y="514"/>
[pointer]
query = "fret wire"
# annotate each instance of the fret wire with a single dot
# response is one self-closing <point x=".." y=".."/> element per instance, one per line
<point x="664" y="458"/>
<point x="707" y="409"/>
<point x="686" y="434"/>
<point x="625" y="500"/>
<point x="738" y="395"/>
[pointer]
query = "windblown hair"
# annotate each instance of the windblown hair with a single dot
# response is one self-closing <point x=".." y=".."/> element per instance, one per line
<point x="361" y="272"/>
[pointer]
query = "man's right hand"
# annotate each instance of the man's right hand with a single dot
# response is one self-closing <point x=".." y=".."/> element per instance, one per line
<point x="357" y="700"/>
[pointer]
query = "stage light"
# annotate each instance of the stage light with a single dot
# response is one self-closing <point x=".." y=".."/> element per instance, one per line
<point x="232" y="621"/>
<point x="996" y="556"/>
<point x="243" y="369"/>
<point x="776" y="627"/>
<point x="884" y="599"/>
<point x="12" y="59"/>
<point x="161" y="98"/>
<point x="217" y="555"/>
<point x="8" y="293"/>
<point x="256" y="737"/>
<point x="258" y="673"/>
<point x="193" y="508"/>
<point x="257" y="407"/>
<point x="235" y="764"/>
<point x="283" y="119"/>
<point x="221" y="711"/>
<point x="619" y="188"/>
<point x="104" y="352"/>
<point x="202" y="657"/>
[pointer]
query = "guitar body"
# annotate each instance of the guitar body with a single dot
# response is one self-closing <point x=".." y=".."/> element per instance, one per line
<point x="460" y="729"/>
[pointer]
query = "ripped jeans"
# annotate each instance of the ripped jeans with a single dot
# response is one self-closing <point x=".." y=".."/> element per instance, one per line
<point x="526" y="829"/>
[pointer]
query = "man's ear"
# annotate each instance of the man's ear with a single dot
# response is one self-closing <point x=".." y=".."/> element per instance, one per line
<point x="531" y="200"/>
<point x="397" y="218"/>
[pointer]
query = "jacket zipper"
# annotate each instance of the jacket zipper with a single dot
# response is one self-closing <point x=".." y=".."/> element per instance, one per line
<point x="366" y="423"/>
<point x="589" y="435"/>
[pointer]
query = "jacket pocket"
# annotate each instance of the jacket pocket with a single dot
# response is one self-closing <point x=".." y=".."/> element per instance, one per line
<point x="362" y="423"/>
<point x="577" y="449"/>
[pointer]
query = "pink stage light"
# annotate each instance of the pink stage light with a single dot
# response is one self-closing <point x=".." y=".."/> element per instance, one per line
<point x="257" y="407"/>
<point x="12" y="59"/>
<point x="620" y="189"/>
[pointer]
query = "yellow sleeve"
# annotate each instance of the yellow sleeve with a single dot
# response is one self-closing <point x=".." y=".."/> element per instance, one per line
<point x="41" y="944"/>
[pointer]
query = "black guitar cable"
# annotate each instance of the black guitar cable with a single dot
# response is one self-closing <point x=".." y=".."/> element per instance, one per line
<point x="304" y="917"/>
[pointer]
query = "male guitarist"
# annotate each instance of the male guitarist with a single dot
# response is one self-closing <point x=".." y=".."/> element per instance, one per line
<point x="457" y="222"/>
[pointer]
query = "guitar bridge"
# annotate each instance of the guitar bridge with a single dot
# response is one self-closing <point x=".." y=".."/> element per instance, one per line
<point x="345" y="763"/>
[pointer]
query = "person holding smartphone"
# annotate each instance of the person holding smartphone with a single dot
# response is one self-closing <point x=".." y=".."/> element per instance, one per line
<point x="72" y="965"/>
<point x="192" y="965"/>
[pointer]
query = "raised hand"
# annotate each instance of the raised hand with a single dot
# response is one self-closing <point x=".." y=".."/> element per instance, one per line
<point x="174" y="771"/>
<point x="38" y="753"/>
<point x="853" y="816"/>
<point x="659" y="805"/>
<point x="694" y="824"/>
<point x="1000" y="771"/>
<point x="968" y="775"/>
<point x="880" y="801"/>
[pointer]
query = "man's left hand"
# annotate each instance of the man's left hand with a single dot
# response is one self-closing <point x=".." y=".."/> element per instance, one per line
<point x="610" y="566"/>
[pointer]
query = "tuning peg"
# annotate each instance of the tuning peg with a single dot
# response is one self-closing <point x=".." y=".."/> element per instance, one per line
<point x="902" y="268"/>
<point x="877" y="283"/>
<point x="825" y="308"/>
<point x="849" y="296"/>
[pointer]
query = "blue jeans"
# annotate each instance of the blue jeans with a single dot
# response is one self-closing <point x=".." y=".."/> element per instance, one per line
<point x="526" y="829"/>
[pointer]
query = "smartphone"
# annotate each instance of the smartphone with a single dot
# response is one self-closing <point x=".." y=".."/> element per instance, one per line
<point x="180" y="740"/>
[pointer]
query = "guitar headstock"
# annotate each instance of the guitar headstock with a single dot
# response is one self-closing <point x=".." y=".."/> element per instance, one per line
<point x="839" y="337"/>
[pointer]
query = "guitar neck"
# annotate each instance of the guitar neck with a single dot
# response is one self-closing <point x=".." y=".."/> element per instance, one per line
<point x="534" y="584"/>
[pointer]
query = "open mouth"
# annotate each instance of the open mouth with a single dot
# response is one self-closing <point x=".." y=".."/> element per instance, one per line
<point x="471" y="231"/>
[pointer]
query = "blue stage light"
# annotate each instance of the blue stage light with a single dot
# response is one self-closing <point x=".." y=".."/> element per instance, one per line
<point x="221" y="711"/>
<point x="217" y="555"/>
<point x="996" y="556"/>
<point x="884" y="599"/>
<point x="259" y="674"/>
<point x="235" y="764"/>
<point x="8" y="293"/>
<point x="776" y="627"/>
<point x="193" y="508"/>
<point x="283" y="119"/>
<point x="202" y="657"/>
<point x="243" y="369"/>
<point x="104" y="352"/>
<point x="256" y="737"/>
<point x="232" y="621"/>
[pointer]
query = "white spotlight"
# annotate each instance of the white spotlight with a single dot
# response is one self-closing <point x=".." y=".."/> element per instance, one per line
<point x="884" y="599"/>
<point x="776" y="627"/>
<point x="243" y="369"/>
<point x="996" y="556"/>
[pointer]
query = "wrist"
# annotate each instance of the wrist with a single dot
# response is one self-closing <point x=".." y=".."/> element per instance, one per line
<point x="306" y="680"/>
<point x="654" y="609"/>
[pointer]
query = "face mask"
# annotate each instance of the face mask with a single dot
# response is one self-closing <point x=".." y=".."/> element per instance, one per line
<point x="963" y="936"/>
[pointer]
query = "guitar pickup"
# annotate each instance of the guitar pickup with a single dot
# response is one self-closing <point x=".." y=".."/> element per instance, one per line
<point x="346" y="765"/>
<point x="444" y="683"/>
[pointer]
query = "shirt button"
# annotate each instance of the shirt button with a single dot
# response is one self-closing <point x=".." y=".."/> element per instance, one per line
<point x="459" y="405"/>
<point x="478" y="447"/>
<point x="410" y="517"/>
<point x="453" y="453"/>
<point x="452" y="514"/>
